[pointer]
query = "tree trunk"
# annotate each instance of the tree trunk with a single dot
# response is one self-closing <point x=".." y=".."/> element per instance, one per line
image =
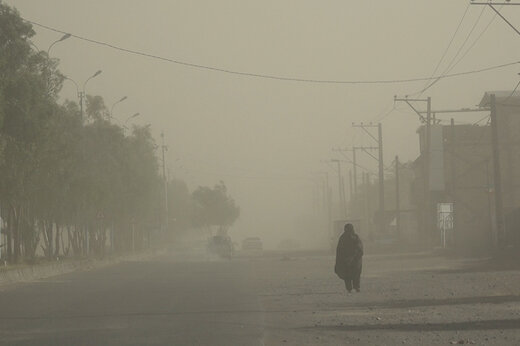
<point x="9" y="235"/>
<point x="57" y="239"/>
<point x="16" y="235"/>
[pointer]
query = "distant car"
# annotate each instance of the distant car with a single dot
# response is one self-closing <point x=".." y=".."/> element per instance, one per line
<point x="221" y="246"/>
<point x="252" y="244"/>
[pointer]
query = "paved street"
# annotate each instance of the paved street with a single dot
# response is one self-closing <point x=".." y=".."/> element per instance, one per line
<point x="266" y="300"/>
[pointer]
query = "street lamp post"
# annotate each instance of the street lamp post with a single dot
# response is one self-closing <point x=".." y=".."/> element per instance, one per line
<point x="115" y="103"/>
<point x="63" y="38"/>
<point x="81" y="93"/>
<point x="131" y="117"/>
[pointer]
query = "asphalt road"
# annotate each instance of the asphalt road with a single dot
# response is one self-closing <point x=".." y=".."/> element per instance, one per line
<point x="156" y="302"/>
<point x="274" y="299"/>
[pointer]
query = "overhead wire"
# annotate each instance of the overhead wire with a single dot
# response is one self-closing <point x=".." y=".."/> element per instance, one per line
<point x="475" y="41"/>
<point x="269" y="76"/>
<point x="450" y="43"/>
<point x="448" y="68"/>
<point x="511" y="94"/>
<point x="479" y="121"/>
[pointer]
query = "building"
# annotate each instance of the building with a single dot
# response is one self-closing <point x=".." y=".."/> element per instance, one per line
<point x="454" y="188"/>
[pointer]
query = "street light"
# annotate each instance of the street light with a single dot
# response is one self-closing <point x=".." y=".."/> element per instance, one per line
<point x="115" y="103"/>
<point x="131" y="117"/>
<point x="81" y="93"/>
<point x="63" y="38"/>
<point x="127" y="119"/>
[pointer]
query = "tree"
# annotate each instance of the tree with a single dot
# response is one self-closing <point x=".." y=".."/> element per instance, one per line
<point x="29" y="83"/>
<point x="214" y="207"/>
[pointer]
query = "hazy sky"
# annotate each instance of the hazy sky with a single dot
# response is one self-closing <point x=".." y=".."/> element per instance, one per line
<point x="264" y="137"/>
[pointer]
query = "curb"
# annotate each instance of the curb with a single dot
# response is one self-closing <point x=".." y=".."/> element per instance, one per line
<point x="46" y="270"/>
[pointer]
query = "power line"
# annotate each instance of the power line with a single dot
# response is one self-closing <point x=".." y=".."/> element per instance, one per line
<point x="450" y="65"/>
<point x="465" y="40"/>
<point x="479" y="121"/>
<point x="385" y="115"/>
<point x="450" y="43"/>
<point x="476" y="40"/>
<point x="267" y="76"/>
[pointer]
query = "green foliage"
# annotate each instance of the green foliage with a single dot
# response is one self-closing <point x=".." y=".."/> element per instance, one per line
<point x="64" y="181"/>
<point x="214" y="207"/>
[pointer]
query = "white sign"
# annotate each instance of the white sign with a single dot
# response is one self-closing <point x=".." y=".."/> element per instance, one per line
<point x="444" y="220"/>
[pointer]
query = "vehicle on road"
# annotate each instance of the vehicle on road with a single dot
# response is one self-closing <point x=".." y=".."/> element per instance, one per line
<point x="221" y="246"/>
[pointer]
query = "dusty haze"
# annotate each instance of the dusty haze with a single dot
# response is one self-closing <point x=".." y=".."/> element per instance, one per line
<point x="265" y="138"/>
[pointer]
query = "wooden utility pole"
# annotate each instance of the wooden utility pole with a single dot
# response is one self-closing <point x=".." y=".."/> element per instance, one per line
<point x="499" y="211"/>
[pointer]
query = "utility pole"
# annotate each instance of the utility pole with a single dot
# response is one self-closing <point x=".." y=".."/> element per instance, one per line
<point x="397" y="199"/>
<point x="165" y="181"/>
<point x="381" y="179"/>
<point x="366" y="184"/>
<point x="379" y="141"/>
<point x="341" y="190"/>
<point x="354" y="168"/>
<point x="427" y="212"/>
<point x="327" y="196"/>
<point x="351" y="189"/>
<point x="426" y="165"/>
<point x="499" y="211"/>
<point x="453" y="188"/>
<point x="354" y="163"/>
<point x="428" y="168"/>
<point x="507" y="3"/>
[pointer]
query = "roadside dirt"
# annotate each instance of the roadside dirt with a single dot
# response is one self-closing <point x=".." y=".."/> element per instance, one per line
<point x="414" y="299"/>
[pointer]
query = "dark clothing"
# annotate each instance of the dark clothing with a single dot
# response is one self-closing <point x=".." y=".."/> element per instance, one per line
<point x="354" y="281"/>
<point x="349" y="255"/>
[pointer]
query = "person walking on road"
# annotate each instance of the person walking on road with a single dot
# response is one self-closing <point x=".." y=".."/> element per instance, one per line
<point x="349" y="255"/>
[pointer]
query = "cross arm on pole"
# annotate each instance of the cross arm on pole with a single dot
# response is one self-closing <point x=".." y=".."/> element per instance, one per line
<point x="504" y="18"/>
<point x="497" y="3"/>
<point x="407" y="100"/>
<point x="462" y="110"/>
<point x="508" y="3"/>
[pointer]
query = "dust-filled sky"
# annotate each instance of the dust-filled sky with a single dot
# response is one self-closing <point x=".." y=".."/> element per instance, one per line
<point x="266" y="138"/>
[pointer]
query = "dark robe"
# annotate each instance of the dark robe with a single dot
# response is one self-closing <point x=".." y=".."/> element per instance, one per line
<point x="349" y="255"/>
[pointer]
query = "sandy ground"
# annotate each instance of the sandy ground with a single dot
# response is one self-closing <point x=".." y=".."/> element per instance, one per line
<point x="269" y="299"/>
<point x="414" y="299"/>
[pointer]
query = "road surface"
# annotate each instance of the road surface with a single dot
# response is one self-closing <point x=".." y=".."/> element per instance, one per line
<point x="273" y="299"/>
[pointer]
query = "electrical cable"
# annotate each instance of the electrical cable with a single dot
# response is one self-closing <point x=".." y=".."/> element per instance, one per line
<point x="512" y="93"/>
<point x="449" y="67"/>
<point x="465" y="40"/>
<point x="479" y="121"/>
<point x="450" y="43"/>
<point x="267" y="76"/>
<point x="475" y="41"/>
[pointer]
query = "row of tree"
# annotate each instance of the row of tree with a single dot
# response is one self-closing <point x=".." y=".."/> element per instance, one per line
<point x="73" y="184"/>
